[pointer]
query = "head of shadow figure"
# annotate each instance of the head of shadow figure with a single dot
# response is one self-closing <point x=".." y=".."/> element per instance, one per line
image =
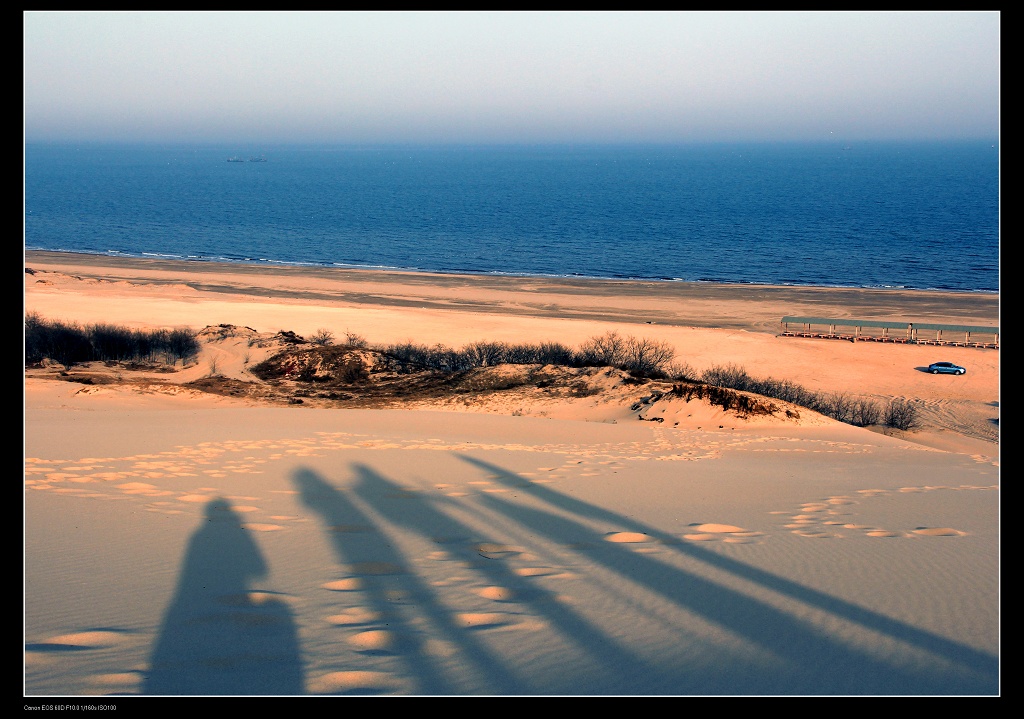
<point x="219" y="636"/>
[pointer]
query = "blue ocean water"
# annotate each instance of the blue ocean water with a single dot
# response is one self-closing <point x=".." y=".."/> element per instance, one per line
<point x="919" y="215"/>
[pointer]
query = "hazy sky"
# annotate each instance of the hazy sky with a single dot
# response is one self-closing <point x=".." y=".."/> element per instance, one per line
<point x="383" y="77"/>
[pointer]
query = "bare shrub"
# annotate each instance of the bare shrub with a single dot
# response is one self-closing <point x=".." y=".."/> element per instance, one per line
<point x="679" y="371"/>
<point x="608" y="350"/>
<point x="866" y="413"/>
<point x="354" y="340"/>
<point x="838" y="406"/>
<point x="731" y="375"/>
<point x="555" y="353"/>
<point x="487" y="354"/>
<point x="322" y="337"/>
<point x="646" y="357"/>
<point x="900" y="414"/>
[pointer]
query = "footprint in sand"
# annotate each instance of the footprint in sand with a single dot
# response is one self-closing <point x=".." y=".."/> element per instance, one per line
<point x="813" y="535"/>
<point x="96" y="639"/>
<point x="355" y="682"/>
<point x="354" y="617"/>
<point x="483" y="620"/>
<point x="939" y="532"/>
<point x="261" y="527"/>
<point x="498" y="594"/>
<point x="628" y="537"/>
<point x="540" y="572"/>
<point x="120" y="683"/>
<point x="374" y="640"/>
<point x="497" y="551"/>
<point x="721" y="532"/>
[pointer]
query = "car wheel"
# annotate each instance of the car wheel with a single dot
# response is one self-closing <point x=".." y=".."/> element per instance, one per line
<point x="935" y="371"/>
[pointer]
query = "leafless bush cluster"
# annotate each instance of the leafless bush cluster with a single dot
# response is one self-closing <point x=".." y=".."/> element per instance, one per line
<point x="900" y="414"/>
<point x="322" y="337"/>
<point x="837" y="405"/>
<point x="639" y="356"/>
<point x="71" y="344"/>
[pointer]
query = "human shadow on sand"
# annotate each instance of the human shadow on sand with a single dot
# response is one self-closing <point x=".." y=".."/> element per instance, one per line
<point x="815" y="662"/>
<point x="218" y="635"/>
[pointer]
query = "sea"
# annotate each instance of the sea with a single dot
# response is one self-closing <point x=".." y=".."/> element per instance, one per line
<point x="914" y="215"/>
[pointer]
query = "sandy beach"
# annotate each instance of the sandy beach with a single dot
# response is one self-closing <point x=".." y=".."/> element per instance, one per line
<point x="523" y="542"/>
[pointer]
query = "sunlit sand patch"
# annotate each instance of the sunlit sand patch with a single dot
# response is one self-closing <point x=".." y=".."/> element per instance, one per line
<point x="841" y="500"/>
<point x="872" y="492"/>
<point x="702" y="537"/>
<point x="939" y="532"/>
<point x="194" y="498"/>
<point x="881" y="533"/>
<point x="351" y="584"/>
<point x="814" y="507"/>
<point x="376" y="568"/>
<point x="352" y="681"/>
<point x="61" y="476"/>
<point x="804" y="517"/>
<point x="813" y="535"/>
<point x="737" y="540"/>
<point x="456" y="494"/>
<point x="628" y="537"/>
<point x="498" y="594"/>
<point x="285" y="518"/>
<point x="353" y="617"/>
<point x="260" y="527"/>
<point x="911" y="489"/>
<point x="244" y="508"/>
<point x="482" y="620"/>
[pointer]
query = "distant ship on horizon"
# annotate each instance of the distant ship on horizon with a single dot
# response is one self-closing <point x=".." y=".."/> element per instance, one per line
<point x="235" y="159"/>
<point x="261" y="158"/>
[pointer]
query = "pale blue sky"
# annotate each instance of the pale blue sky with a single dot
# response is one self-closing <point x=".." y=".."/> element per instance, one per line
<point x="510" y="77"/>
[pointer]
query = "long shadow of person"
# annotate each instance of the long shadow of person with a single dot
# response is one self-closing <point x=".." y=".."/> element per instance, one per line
<point x="219" y="637"/>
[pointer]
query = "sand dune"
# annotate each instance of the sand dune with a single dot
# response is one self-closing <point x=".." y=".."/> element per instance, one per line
<point x="179" y="542"/>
